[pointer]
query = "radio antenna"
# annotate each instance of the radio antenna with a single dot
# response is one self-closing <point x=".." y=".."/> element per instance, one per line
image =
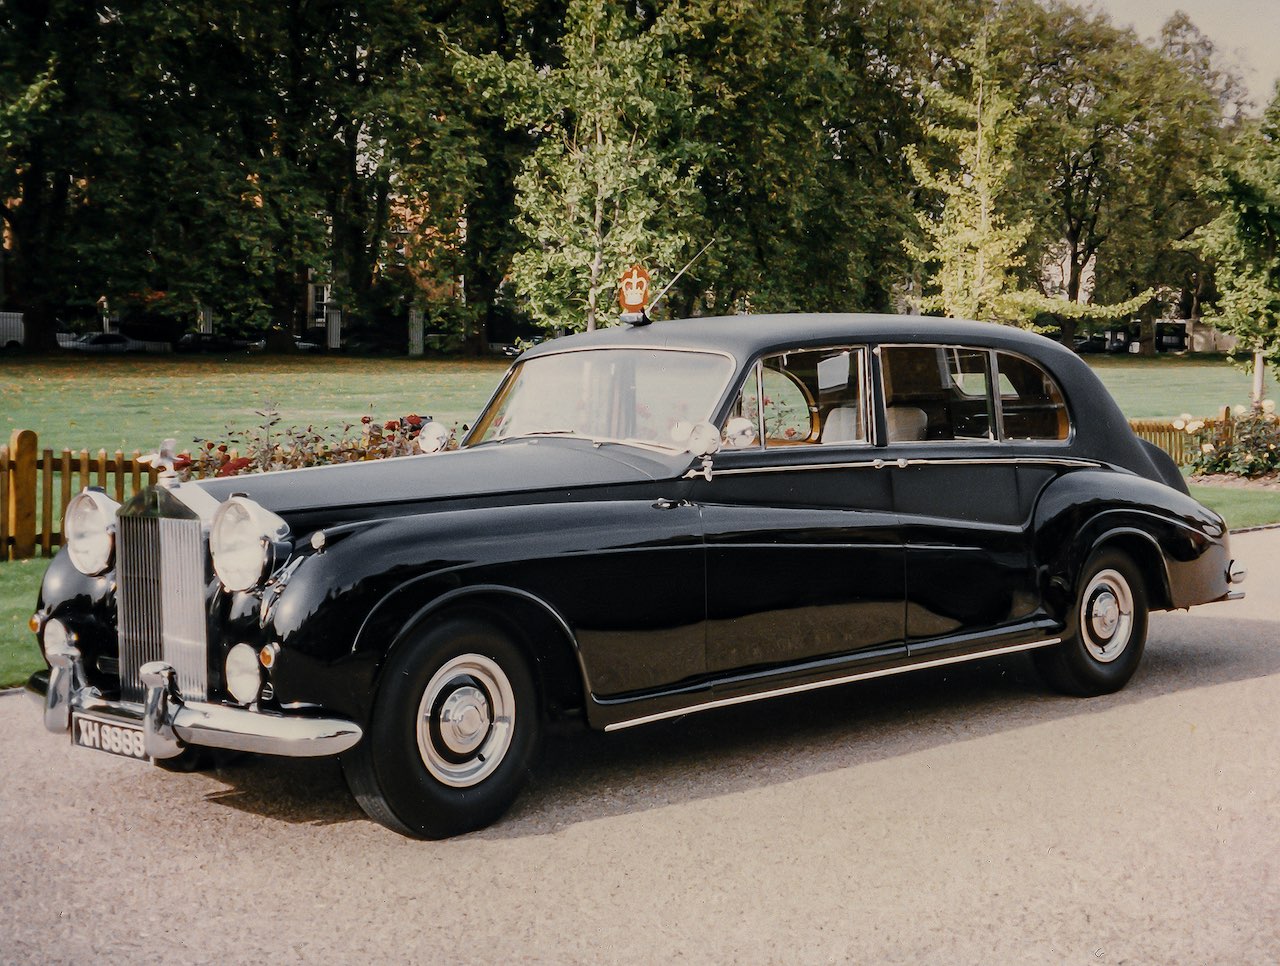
<point x="658" y="298"/>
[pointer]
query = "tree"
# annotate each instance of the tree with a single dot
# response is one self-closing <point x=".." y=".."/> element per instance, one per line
<point x="612" y="177"/>
<point x="1115" y="131"/>
<point x="1244" y="242"/>
<point x="973" y="249"/>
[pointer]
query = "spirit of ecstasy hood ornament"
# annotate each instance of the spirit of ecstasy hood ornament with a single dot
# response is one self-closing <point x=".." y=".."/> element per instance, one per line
<point x="166" y="461"/>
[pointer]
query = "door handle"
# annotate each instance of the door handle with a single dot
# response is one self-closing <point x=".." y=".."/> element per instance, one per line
<point x="664" y="504"/>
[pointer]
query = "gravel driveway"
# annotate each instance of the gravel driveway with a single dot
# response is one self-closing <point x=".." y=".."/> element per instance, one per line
<point x="955" y="815"/>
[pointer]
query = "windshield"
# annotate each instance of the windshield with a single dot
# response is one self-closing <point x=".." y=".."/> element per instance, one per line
<point x="652" y="396"/>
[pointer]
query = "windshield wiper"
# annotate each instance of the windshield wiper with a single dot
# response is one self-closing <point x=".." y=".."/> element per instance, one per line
<point x="573" y="433"/>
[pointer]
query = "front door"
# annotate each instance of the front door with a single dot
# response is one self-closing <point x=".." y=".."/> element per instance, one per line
<point x="804" y="561"/>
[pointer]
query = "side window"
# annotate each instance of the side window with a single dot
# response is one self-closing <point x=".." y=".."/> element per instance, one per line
<point x="1031" y="403"/>
<point x="937" y="393"/>
<point x="809" y="396"/>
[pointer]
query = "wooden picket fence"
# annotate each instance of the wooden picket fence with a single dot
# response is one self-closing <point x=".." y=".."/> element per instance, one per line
<point x="1176" y="442"/>
<point x="36" y="485"/>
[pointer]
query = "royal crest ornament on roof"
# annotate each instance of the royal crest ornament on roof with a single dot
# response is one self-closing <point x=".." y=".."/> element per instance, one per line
<point x="633" y="295"/>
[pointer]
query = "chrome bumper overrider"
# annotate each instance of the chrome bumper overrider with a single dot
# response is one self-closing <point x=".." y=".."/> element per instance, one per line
<point x="170" y="724"/>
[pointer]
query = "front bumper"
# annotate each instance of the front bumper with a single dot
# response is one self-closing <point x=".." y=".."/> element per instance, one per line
<point x="170" y="724"/>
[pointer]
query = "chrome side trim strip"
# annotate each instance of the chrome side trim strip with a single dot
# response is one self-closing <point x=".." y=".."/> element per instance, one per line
<point x="844" y="679"/>
<point x="881" y="463"/>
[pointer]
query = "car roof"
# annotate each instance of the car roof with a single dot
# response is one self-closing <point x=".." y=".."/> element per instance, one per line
<point x="745" y="336"/>
<point x="1102" y="432"/>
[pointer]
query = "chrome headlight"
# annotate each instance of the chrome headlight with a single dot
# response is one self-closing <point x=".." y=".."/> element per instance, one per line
<point x="89" y="531"/>
<point x="245" y="541"/>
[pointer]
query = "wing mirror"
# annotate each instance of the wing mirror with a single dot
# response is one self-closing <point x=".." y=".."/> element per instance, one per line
<point x="433" y="438"/>
<point x="703" y="442"/>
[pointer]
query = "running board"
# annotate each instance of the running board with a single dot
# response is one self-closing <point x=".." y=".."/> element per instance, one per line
<point x="832" y="682"/>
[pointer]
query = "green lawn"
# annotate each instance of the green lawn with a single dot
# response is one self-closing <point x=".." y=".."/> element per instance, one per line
<point x="19" y="584"/>
<point x="134" y="402"/>
<point x="1240" y="508"/>
<point x="1165" y="386"/>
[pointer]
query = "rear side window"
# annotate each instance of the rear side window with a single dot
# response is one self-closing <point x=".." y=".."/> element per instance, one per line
<point x="1031" y="403"/>
<point x="937" y="393"/>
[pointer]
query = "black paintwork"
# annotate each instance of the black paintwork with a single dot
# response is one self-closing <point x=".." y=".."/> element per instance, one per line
<point x="642" y="588"/>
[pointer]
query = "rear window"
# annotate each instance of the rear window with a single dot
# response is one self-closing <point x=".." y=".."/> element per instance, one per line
<point x="1031" y="403"/>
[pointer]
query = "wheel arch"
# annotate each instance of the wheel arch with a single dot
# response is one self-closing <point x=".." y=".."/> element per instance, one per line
<point x="1143" y="549"/>
<point x="531" y="622"/>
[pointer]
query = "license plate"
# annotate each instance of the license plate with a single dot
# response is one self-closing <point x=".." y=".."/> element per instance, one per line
<point x="109" y="736"/>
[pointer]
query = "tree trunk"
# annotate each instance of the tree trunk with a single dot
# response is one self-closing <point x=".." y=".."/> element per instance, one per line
<point x="1259" y="376"/>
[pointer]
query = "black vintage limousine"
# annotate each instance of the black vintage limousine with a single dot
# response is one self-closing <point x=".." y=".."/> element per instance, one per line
<point x="644" y="522"/>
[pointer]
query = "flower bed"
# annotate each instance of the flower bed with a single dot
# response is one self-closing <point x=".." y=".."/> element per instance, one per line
<point x="268" y="446"/>
<point x="1244" y="443"/>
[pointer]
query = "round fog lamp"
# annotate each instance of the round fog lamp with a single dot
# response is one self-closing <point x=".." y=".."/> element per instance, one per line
<point x="244" y="679"/>
<point x="57" y="639"/>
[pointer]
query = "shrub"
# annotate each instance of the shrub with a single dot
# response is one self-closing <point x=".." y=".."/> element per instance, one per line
<point x="266" y="447"/>
<point x="1246" y="442"/>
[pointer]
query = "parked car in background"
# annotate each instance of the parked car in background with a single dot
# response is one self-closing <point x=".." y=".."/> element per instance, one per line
<point x="107" y="342"/>
<point x="644" y="522"/>
<point x="192" y="342"/>
<point x="13" y="332"/>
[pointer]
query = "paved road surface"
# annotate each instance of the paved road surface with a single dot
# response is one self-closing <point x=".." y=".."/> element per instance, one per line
<point x="960" y="815"/>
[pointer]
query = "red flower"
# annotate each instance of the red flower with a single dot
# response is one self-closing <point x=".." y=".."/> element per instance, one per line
<point x="222" y="448"/>
<point x="209" y="445"/>
<point x="366" y="420"/>
<point x="413" y="419"/>
<point x="182" y="461"/>
<point x="232" y="467"/>
<point x="391" y="424"/>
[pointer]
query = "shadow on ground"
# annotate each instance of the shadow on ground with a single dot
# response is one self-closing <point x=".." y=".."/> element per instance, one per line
<point x="592" y="776"/>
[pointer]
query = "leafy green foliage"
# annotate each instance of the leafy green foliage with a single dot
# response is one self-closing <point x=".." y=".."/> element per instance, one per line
<point x="1244" y="239"/>
<point x="971" y="248"/>
<point x="611" y="178"/>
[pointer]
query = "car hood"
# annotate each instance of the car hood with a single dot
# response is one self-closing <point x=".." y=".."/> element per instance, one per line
<point x="491" y="470"/>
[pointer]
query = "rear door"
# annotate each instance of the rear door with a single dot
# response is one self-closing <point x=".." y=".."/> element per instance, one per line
<point x="957" y="492"/>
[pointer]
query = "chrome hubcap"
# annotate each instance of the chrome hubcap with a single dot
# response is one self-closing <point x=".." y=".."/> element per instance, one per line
<point x="1106" y="616"/>
<point x="465" y="720"/>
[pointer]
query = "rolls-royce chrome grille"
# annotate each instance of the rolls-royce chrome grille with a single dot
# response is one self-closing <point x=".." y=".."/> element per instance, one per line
<point x="160" y="570"/>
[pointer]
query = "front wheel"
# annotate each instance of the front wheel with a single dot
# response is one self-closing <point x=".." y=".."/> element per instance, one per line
<point x="455" y="728"/>
<point x="1108" y="630"/>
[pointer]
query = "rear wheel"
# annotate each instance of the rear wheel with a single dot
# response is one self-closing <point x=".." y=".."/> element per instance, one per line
<point x="455" y="728"/>
<point x="1108" y="629"/>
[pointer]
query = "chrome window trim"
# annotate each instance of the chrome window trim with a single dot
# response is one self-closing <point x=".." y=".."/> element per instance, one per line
<point x="832" y="682"/>
<point x="995" y="397"/>
<point x="863" y="349"/>
<point x="465" y="442"/>
<point x="1022" y="440"/>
